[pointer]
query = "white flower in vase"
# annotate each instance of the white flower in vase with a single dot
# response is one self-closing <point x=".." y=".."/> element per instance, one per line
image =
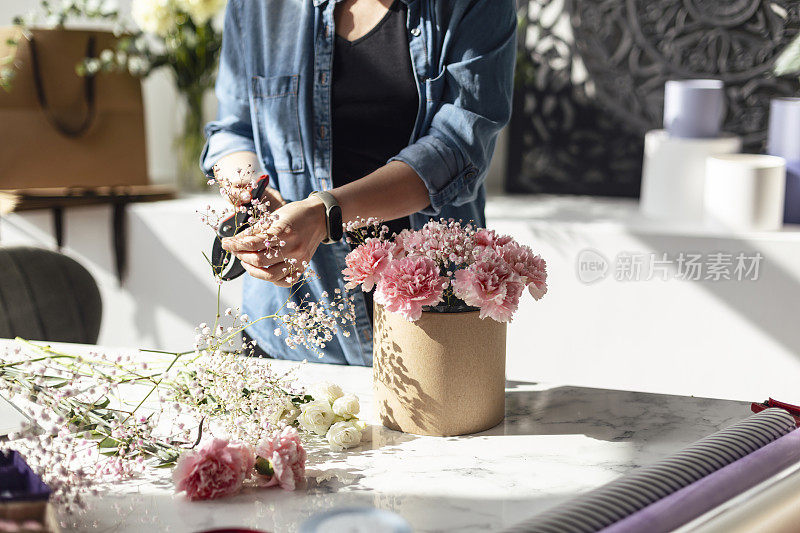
<point x="154" y="16"/>
<point x="201" y="10"/>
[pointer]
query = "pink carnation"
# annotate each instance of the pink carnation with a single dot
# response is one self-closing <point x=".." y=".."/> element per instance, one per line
<point x="410" y="242"/>
<point x="491" y="285"/>
<point x="409" y="283"/>
<point x="365" y="264"/>
<point x="488" y="238"/>
<point x="215" y="469"/>
<point x="531" y="268"/>
<point x="285" y="459"/>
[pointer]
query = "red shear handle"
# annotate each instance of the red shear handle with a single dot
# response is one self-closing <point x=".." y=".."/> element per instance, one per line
<point x="793" y="410"/>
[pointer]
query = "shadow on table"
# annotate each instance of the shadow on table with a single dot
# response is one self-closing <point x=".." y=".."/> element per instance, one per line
<point x="613" y="415"/>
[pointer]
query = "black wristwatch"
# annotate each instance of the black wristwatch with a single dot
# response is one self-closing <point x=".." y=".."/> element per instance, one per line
<point x="333" y="216"/>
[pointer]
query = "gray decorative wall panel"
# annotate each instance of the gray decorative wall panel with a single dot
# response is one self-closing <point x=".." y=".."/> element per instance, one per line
<point x="591" y="79"/>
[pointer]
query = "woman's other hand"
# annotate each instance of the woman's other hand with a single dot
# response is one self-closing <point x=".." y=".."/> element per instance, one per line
<point x="285" y="249"/>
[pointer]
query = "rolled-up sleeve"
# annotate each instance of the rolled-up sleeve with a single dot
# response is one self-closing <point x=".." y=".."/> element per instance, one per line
<point x="473" y="104"/>
<point x="232" y="131"/>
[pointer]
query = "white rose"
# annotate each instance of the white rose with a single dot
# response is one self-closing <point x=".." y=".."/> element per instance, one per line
<point x="327" y="391"/>
<point x="343" y="435"/>
<point x="346" y="406"/>
<point x="154" y="16"/>
<point x="201" y="10"/>
<point x="316" y="417"/>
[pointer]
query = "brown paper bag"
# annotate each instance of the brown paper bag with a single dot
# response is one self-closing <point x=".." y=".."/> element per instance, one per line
<point x="442" y="375"/>
<point x="58" y="129"/>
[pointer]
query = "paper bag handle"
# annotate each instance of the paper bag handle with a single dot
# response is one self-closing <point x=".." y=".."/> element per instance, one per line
<point x="88" y="94"/>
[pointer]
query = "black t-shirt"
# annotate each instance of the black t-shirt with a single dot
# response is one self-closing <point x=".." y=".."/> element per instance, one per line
<point x="375" y="100"/>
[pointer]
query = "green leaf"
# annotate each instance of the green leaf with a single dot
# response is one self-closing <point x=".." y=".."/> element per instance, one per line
<point x="102" y="405"/>
<point x="107" y="442"/>
<point x="264" y="467"/>
<point x="300" y="400"/>
<point x="168" y="455"/>
<point x="789" y="61"/>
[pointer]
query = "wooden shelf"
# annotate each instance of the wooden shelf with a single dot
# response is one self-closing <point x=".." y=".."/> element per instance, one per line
<point x="12" y="200"/>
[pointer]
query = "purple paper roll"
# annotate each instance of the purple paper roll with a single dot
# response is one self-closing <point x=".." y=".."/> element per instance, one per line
<point x="700" y="497"/>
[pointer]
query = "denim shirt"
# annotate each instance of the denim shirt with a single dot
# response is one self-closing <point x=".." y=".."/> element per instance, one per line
<point x="274" y="93"/>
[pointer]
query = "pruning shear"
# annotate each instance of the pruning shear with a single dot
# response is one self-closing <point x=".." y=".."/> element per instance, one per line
<point x="226" y="265"/>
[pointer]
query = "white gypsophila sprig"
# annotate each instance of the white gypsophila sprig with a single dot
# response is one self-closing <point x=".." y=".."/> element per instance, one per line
<point x="447" y="242"/>
<point x="359" y="230"/>
<point x="313" y="324"/>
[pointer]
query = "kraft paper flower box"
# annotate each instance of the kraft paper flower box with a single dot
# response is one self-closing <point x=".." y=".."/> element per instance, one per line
<point x="23" y="496"/>
<point x="441" y="375"/>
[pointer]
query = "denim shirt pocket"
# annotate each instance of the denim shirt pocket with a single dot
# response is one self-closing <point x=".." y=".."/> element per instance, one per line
<point x="434" y="87"/>
<point x="278" y="121"/>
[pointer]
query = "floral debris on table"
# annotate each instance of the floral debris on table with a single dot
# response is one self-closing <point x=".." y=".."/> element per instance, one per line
<point x="220" y="419"/>
<point x="446" y="266"/>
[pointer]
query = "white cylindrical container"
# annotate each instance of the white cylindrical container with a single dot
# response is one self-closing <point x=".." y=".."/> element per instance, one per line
<point x="673" y="175"/>
<point x="745" y="191"/>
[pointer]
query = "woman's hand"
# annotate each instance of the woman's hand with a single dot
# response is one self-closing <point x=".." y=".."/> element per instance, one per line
<point x="300" y="227"/>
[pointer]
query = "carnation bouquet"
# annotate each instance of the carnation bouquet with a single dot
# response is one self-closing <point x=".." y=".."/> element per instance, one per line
<point x="444" y="295"/>
<point x="445" y="267"/>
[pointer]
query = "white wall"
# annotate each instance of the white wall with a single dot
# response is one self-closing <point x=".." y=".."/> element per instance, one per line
<point x="162" y="109"/>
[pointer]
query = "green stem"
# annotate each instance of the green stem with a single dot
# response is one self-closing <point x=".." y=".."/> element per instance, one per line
<point x="155" y="386"/>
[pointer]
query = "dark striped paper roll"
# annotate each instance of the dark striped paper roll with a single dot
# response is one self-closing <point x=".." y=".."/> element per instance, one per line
<point x="632" y="492"/>
<point x="679" y="508"/>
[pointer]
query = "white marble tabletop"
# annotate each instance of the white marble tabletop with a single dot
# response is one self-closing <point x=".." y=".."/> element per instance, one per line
<point x="557" y="441"/>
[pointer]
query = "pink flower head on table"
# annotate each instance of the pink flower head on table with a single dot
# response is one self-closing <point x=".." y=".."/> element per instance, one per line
<point x="215" y="469"/>
<point x="490" y="284"/>
<point x="365" y="264"/>
<point x="409" y="283"/>
<point x="281" y="459"/>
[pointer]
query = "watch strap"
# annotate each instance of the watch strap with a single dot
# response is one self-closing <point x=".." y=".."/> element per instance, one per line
<point x="333" y="216"/>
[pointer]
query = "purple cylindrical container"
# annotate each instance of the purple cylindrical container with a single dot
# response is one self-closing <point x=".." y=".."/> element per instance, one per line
<point x="694" y="109"/>
<point x="18" y="482"/>
<point x="784" y="141"/>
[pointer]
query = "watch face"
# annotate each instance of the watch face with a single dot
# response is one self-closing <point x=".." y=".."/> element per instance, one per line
<point x="335" y="218"/>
